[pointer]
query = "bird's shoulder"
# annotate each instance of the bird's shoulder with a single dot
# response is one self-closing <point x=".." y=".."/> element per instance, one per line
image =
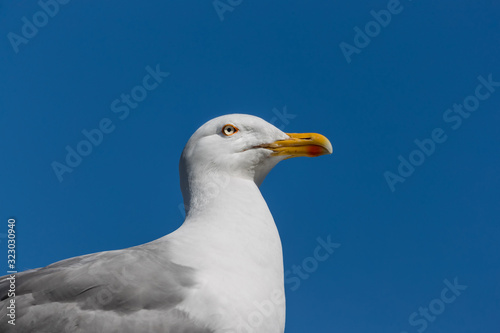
<point x="116" y="284"/>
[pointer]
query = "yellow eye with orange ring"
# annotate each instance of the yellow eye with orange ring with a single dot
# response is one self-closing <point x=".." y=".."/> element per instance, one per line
<point x="229" y="130"/>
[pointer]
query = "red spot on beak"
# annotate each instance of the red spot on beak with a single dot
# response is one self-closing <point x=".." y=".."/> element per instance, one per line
<point x="314" y="151"/>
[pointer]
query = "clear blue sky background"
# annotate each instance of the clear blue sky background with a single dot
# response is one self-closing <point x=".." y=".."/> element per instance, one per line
<point x="397" y="247"/>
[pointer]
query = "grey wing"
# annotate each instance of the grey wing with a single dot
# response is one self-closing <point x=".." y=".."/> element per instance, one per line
<point x="132" y="290"/>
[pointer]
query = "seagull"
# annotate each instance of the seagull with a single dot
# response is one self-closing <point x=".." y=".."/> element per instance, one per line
<point x="221" y="271"/>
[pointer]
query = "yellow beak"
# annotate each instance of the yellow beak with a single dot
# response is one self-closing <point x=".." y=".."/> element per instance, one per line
<point x="301" y="144"/>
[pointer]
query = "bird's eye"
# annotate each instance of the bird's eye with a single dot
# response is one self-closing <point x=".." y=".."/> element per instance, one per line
<point x="229" y="130"/>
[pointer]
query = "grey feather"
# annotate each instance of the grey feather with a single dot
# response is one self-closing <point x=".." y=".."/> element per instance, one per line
<point x="117" y="291"/>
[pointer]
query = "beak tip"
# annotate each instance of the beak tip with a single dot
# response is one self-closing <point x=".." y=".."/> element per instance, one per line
<point x="325" y="144"/>
<point x="329" y="148"/>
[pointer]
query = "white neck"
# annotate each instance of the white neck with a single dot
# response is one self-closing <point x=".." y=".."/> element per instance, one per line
<point x="232" y="242"/>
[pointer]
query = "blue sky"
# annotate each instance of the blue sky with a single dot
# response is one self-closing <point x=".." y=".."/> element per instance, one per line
<point x="372" y="93"/>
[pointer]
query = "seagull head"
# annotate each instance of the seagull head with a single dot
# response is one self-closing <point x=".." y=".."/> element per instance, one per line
<point x="240" y="145"/>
